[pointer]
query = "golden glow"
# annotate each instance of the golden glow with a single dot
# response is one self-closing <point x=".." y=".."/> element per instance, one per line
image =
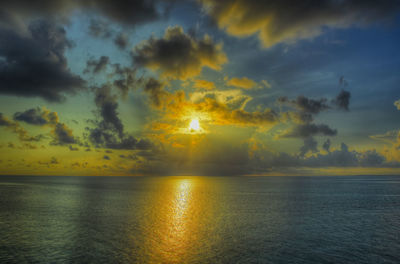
<point x="178" y="218"/>
<point x="194" y="125"/>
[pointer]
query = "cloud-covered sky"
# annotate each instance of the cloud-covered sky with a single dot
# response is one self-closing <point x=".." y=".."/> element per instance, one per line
<point x="199" y="87"/>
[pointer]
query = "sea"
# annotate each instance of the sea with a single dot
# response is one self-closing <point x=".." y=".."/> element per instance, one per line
<point x="343" y="219"/>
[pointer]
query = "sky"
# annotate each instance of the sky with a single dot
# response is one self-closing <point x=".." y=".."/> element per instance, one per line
<point x="199" y="87"/>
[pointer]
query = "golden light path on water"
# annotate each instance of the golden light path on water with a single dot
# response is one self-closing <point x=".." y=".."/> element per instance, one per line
<point x="176" y="221"/>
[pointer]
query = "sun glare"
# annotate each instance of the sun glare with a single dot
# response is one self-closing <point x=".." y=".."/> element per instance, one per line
<point x="194" y="125"/>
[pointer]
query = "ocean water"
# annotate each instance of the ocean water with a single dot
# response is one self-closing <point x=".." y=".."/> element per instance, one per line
<point x="200" y="219"/>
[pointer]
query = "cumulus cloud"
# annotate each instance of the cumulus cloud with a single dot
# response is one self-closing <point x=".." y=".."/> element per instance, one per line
<point x="244" y="83"/>
<point x="342" y="100"/>
<point x="289" y="20"/>
<point x="155" y="89"/>
<point x="327" y="145"/>
<point x="99" y="29"/>
<point x="37" y="116"/>
<point x="125" y="79"/>
<point x="397" y="104"/>
<point x="34" y="64"/>
<point x="304" y="116"/>
<point x="16" y="128"/>
<point x="121" y="41"/>
<point x="109" y="130"/>
<point x="178" y="55"/>
<point x="96" y="66"/>
<point x="62" y="134"/>
<point x="310" y="144"/>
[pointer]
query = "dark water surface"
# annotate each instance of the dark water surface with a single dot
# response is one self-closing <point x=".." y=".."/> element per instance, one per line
<point x="200" y="219"/>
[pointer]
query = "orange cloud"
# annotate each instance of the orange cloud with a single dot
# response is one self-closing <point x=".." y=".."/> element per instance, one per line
<point x="244" y="83"/>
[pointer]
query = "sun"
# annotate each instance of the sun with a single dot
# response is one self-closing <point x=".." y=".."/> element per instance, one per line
<point x="194" y="125"/>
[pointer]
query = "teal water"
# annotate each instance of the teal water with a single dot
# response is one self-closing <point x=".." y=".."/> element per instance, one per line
<point x="200" y="219"/>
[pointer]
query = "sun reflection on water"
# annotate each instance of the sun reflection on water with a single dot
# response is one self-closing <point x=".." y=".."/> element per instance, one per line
<point x="171" y="225"/>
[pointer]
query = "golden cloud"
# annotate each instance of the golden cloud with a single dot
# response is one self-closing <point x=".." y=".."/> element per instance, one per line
<point x="203" y="84"/>
<point x="290" y="20"/>
<point x="244" y="83"/>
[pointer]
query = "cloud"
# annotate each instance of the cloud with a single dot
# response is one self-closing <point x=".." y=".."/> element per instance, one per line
<point x="178" y="55"/>
<point x="109" y="131"/>
<point x="155" y="89"/>
<point x="203" y="84"/>
<point x="221" y="114"/>
<point x="304" y="116"/>
<point x="390" y="136"/>
<point x="327" y="145"/>
<point x="96" y="66"/>
<point x="309" y="145"/>
<point x="288" y="21"/>
<point x="305" y="104"/>
<point x="307" y="130"/>
<point x="16" y="128"/>
<point x="106" y="157"/>
<point x="124" y="12"/>
<point x="37" y="116"/>
<point x="4" y="121"/>
<point x="62" y="135"/>
<point x="397" y="104"/>
<point x="99" y="29"/>
<point x="125" y="79"/>
<point x="34" y="64"/>
<point x="121" y="40"/>
<point x="244" y="82"/>
<point x="342" y="100"/>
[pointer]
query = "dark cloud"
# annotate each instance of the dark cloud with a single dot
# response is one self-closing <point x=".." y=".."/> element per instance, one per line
<point x="34" y="64"/>
<point x="305" y="104"/>
<point x="327" y="145"/>
<point x="37" y="116"/>
<point x="106" y="157"/>
<point x="63" y="135"/>
<point x="96" y="66"/>
<point x="99" y="29"/>
<point x="109" y="131"/>
<point x="125" y="79"/>
<point x="16" y="128"/>
<point x="310" y="144"/>
<point x="343" y="157"/>
<point x="178" y="55"/>
<point x="307" y="130"/>
<point x="121" y="40"/>
<point x="155" y="89"/>
<point x="128" y="12"/>
<point x="290" y="20"/>
<point x="342" y="100"/>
